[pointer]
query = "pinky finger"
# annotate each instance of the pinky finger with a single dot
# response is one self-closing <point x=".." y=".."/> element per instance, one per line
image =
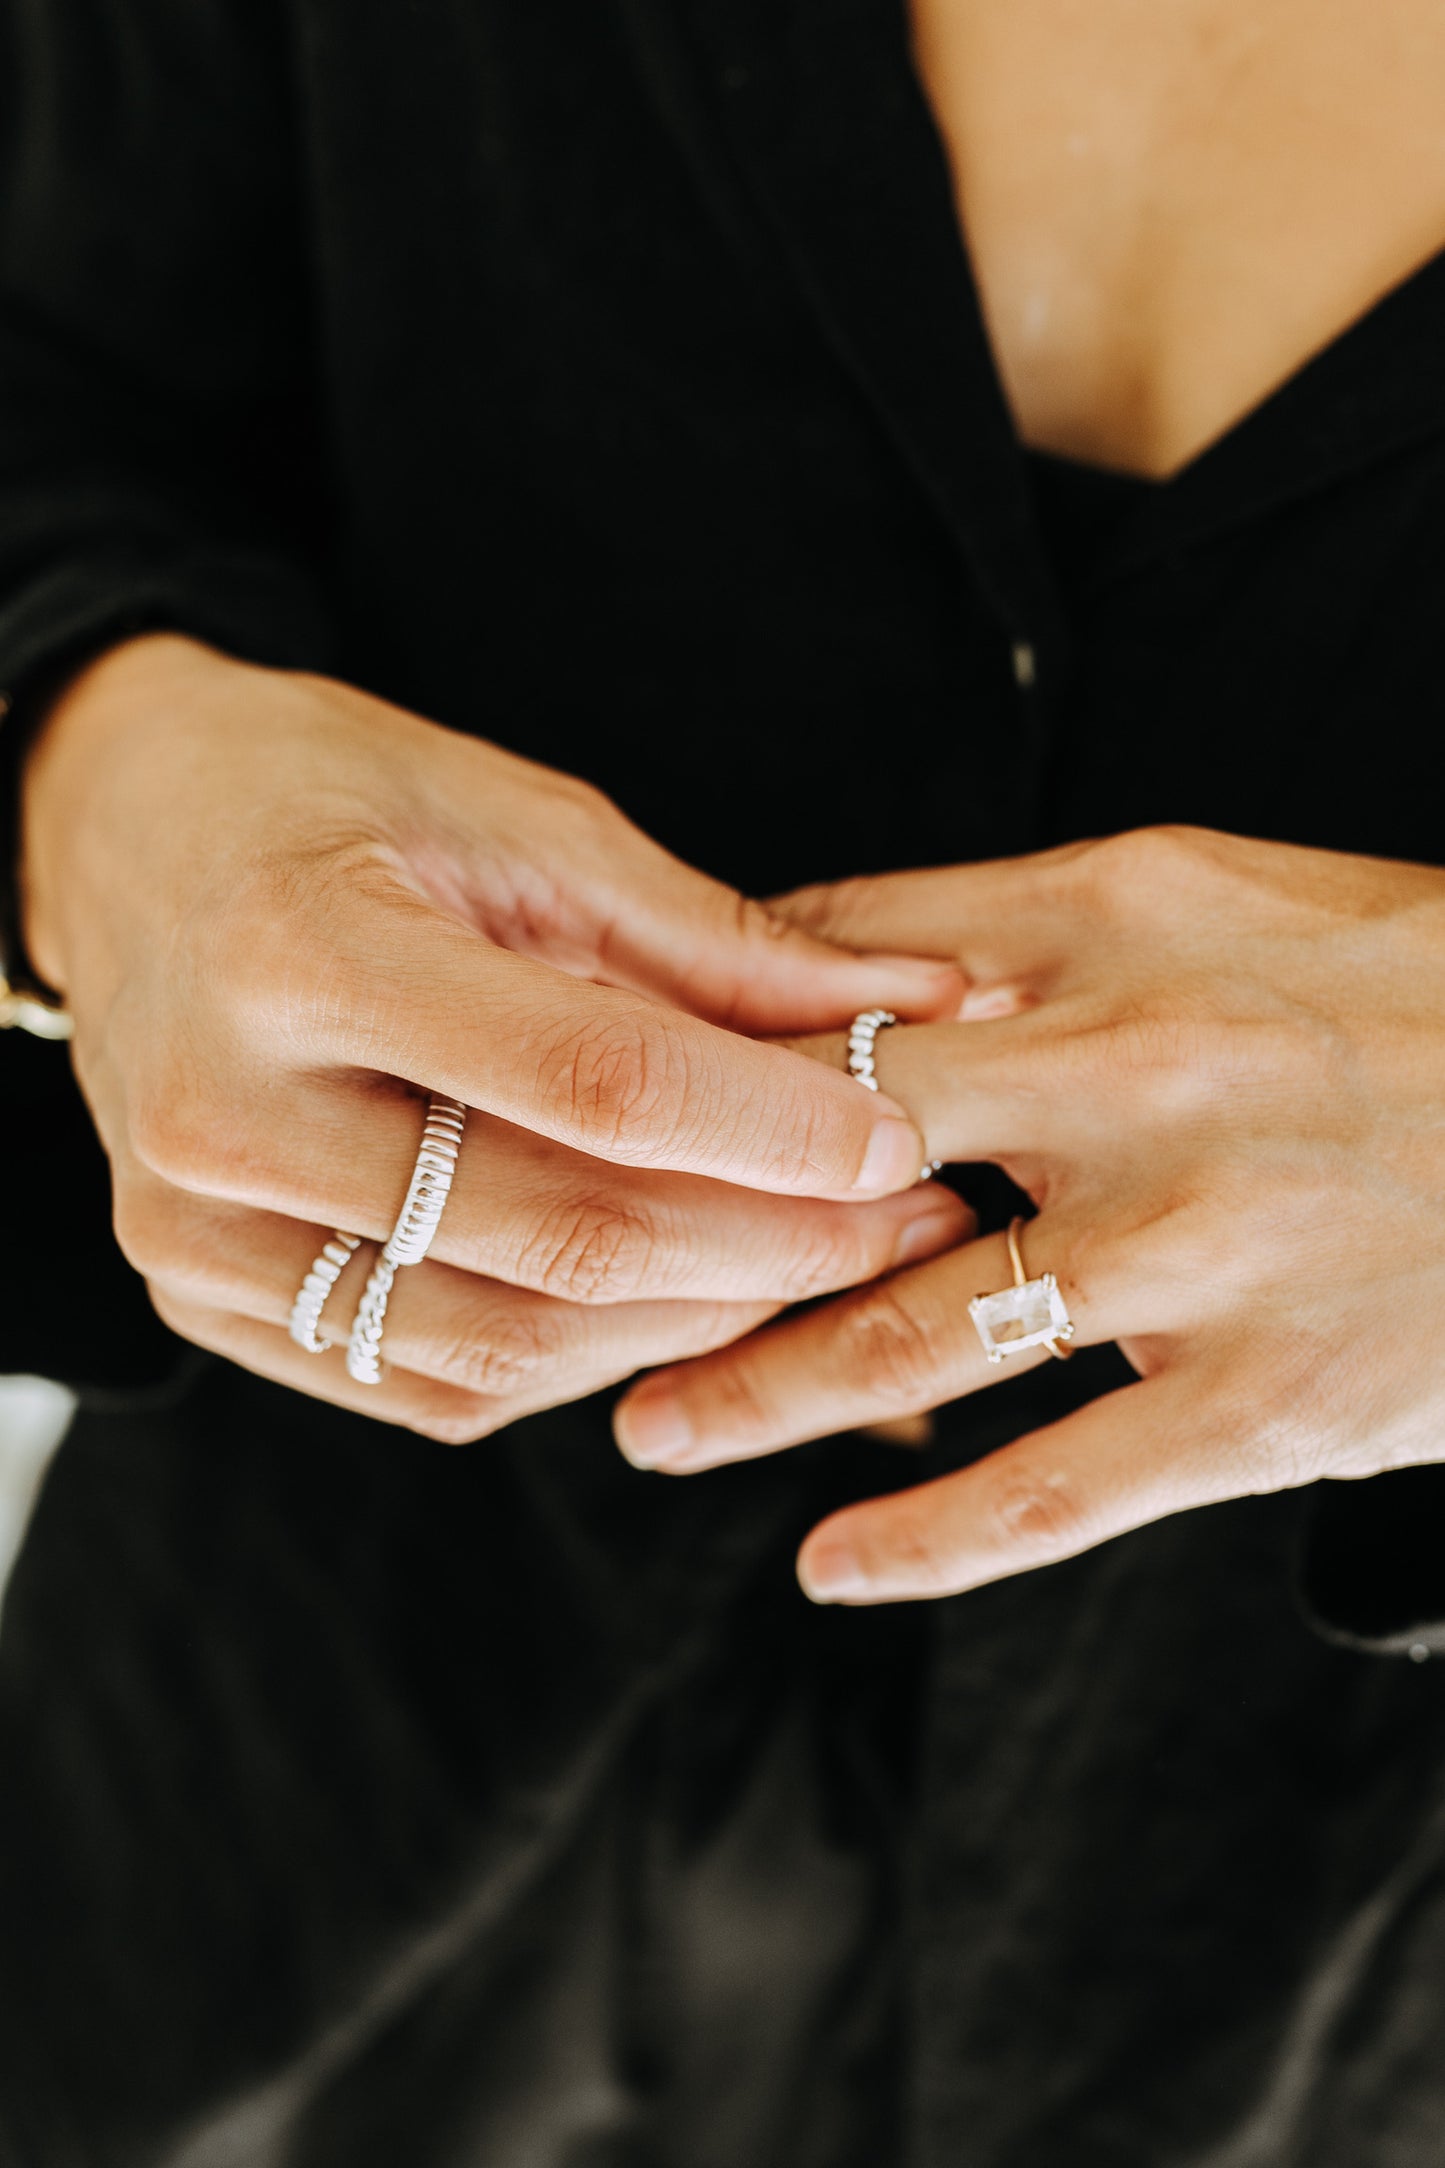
<point x="1133" y="1457"/>
<point x="447" y="1413"/>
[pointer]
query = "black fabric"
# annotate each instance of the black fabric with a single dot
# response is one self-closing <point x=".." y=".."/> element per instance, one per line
<point x="373" y="1805"/>
<point x="610" y="380"/>
<point x="52" y="1152"/>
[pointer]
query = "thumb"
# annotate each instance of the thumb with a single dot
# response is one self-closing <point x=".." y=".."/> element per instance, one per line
<point x="704" y="947"/>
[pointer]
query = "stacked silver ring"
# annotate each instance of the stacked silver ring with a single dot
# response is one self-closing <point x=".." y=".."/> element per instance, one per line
<point x="311" y="1300"/>
<point x="862" y="1065"/>
<point x="862" y="1033"/>
<point x="411" y="1237"/>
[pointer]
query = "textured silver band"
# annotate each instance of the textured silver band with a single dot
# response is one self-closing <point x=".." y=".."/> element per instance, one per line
<point x="411" y="1237"/>
<point x="862" y="1034"/>
<point x="311" y="1299"/>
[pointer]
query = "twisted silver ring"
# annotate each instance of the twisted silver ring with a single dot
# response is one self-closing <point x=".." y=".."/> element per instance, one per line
<point x="311" y="1297"/>
<point x="862" y="1066"/>
<point x="411" y="1237"/>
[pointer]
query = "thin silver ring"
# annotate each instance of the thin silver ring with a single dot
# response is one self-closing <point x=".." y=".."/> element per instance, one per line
<point x="862" y="1064"/>
<point x="311" y="1296"/>
<point x="411" y="1237"/>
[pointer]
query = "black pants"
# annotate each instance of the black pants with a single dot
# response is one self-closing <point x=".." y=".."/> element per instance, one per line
<point x="368" y="1802"/>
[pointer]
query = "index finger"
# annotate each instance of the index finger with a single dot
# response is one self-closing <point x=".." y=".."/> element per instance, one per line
<point x="414" y="993"/>
<point x="999" y="919"/>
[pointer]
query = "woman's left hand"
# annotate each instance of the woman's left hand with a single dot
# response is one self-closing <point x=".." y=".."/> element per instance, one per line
<point x="1218" y="1068"/>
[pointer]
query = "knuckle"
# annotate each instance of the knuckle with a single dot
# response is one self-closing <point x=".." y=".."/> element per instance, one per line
<point x="1036" y="1513"/>
<point x="1275" y="1430"/>
<point x="916" y="1544"/>
<point x="1181" y="1061"/>
<point x="835" y="1250"/>
<point x="166" y="1237"/>
<point x="204" y="1327"/>
<point x="178" y="1129"/>
<point x="622" y="1083"/>
<point x="195" y="1137"/>
<point x="1153" y="864"/>
<point x="582" y="824"/>
<point x="752" y="927"/>
<point x="461" y="1420"/>
<point x="507" y="1353"/>
<point x="888" y="1352"/>
<point x="251" y="950"/>
<point x="1159" y="1056"/>
<point x="823" y="907"/>
<point x="283" y="941"/>
<point x="741" y="1398"/>
<point x="166" y="1141"/>
<point x="585" y="802"/>
<point x="592" y="1249"/>
<point x="143" y="1224"/>
<point x="755" y="923"/>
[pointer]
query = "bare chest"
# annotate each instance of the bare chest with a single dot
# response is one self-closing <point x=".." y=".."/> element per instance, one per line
<point x="1172" y="204"/>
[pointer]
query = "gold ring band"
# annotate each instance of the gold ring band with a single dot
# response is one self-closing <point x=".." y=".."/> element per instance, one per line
<point x="1031" y="1313"/>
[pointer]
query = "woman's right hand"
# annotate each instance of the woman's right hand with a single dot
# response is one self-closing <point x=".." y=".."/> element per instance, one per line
<point x="282" y="910"/>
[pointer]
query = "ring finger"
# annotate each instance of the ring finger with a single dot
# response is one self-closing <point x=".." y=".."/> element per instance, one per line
<point x="472" y="1333"/>
<point x="897" y="1347"/>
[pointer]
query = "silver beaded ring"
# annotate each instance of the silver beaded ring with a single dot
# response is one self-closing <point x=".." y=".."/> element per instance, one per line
<point x="862" y="1033"/>
<point x="311" y="1298"/>
<point x="862" y="1065"/>
<point x="411" y="1237"/>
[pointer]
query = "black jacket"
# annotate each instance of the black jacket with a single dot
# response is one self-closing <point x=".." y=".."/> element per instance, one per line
<point x="609" y="380"/>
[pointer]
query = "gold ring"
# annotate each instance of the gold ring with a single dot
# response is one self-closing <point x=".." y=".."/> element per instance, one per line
<point x="1031" y="1313"/>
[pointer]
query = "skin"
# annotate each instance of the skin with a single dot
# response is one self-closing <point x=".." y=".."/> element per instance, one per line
<point x="269" y="898"/>
<point x="1170" y="207"/>
<point x="1215" y="1066"/>
<point x="1168" y="211"/>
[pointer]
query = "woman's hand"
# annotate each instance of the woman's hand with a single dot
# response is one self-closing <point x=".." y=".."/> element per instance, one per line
<point x="280" y="909"/>
<point x="1218" y="1067"/>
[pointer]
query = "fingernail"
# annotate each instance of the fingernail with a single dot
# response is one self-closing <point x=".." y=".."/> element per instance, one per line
<point x="929" y="1233"/>
<point x="830" y="1573"/>
<point x="652" y="1429"/>
<point x="891" y="1160"/>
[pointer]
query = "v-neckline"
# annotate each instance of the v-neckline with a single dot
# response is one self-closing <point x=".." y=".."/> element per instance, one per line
<point x="831" y="126"/>
<point x="1327" y="379"/>
<point x="1374" y="389"/>
<point x="831" y="132"/>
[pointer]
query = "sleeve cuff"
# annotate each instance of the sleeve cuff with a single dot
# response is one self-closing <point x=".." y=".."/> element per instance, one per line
<point x="1370" y="1571"/>
<point x="259" y="609"/>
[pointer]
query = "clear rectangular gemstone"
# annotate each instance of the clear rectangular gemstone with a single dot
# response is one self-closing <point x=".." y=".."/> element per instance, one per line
<point x="1019" y="1317"/>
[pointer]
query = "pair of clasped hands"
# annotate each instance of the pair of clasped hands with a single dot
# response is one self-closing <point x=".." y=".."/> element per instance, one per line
<point x="1216" y="1066"/>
